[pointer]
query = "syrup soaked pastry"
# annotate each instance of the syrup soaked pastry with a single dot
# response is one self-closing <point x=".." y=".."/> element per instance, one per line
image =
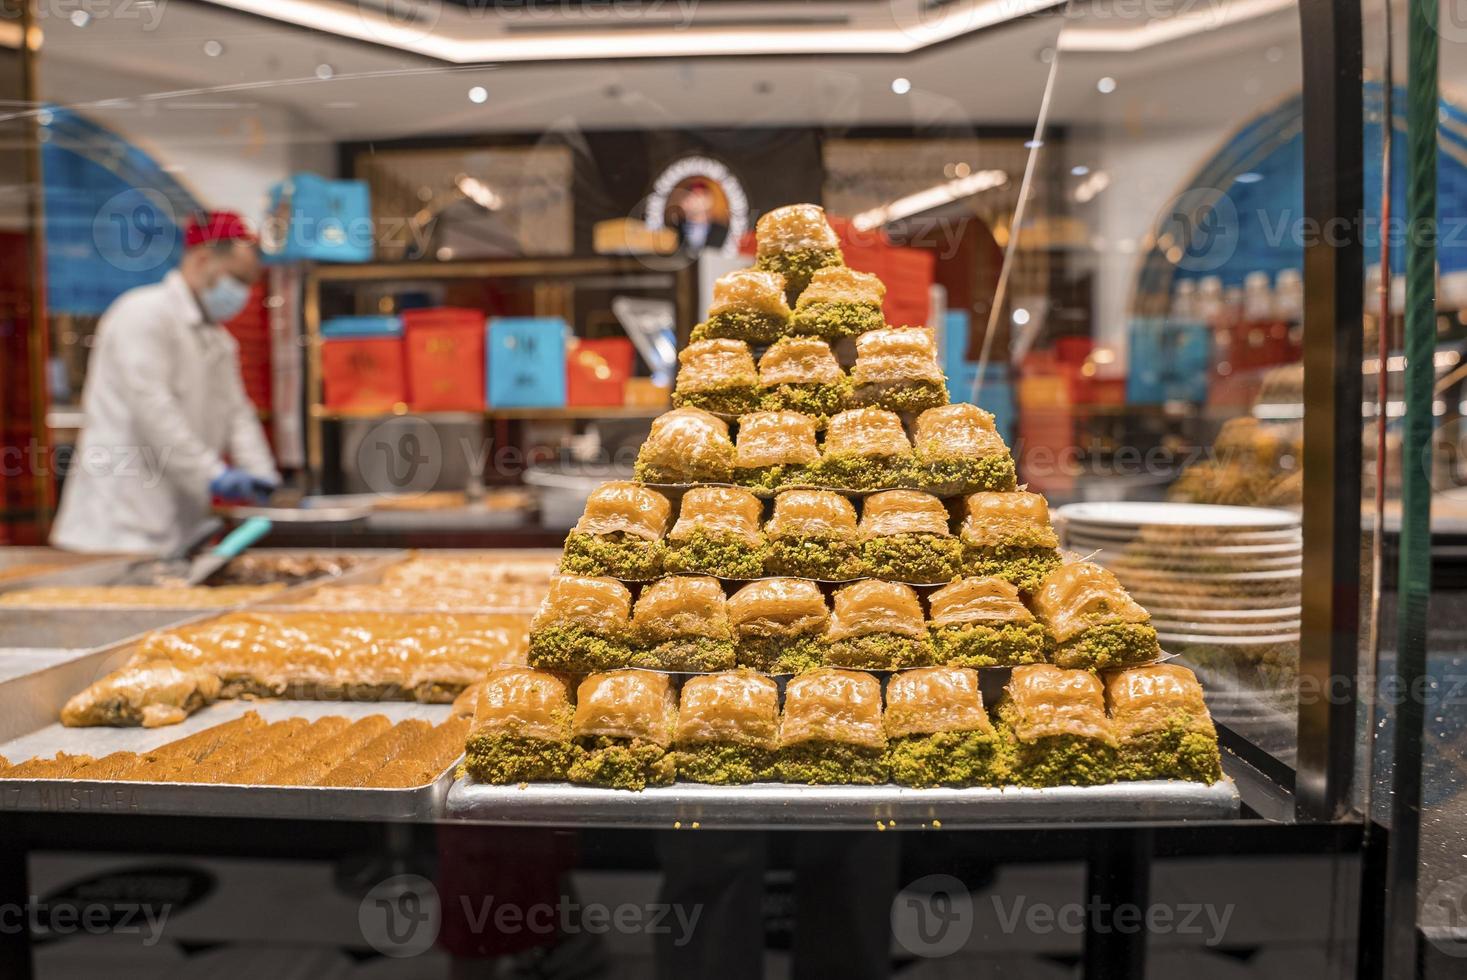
<point x="796" y="241"/>
<point x="1008" y="535"/>
<point x="938" y="733"/>
<point x="813" y="534"/>
<point x="1094" y="621"/>
<point x="717" y="376"/>
<point x="877" y="626"/>
<point x="686" y="445"/>
<point x="897" y="369"/>
<point x="775" y="449"/>
<point x="717" y="533"/>
<point x="865" y="449"/>
<point x="905" y="538"/>
<point x="831" y="729"/>
<point x="801" y="374"/>
<point x="522" y="728"/>
<point x="840" y="302"/>
<point x="584" y="624"/>
<point x="959" y="451"/>
<point x="728" y="728"/>
<point x="981" y="622"/>
<point x="151" y="694"/>
<point x="681" y="623"/>
<point x="1056" y="729"/>
<point x="779" y="625"/>
<point x="1159" y="717"/>
<point x="623" y="727"/>
<point x="748" y="305"/>
<point x="619" y="534"/>
<point x="472" y="571"/>
<point x="138" y="596"/>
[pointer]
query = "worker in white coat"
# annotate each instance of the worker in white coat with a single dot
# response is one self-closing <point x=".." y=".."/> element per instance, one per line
<point x="166" y="423"/>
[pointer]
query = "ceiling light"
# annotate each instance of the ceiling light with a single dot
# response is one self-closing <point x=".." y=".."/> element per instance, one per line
<point x="324" y="71"/>
<point x="901" y="86"/>
<point x="1079" y="170"/>
<point x="478" y="95"/>
<point x="80" y="18"/>
<point x="1248" y="178"/>
<point x="1105" y="85"/>
<point x="213" y="49"/>
<point x="1163" y="30"/>
<point x="1033" y="144"/>
<point x="1021" y="316"/>
<point x="932" y="197"/>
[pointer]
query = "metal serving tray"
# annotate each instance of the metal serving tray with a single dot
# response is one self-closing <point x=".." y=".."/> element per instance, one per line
<point x="302" y="596"/>
<point x="213" y="799"/>
<point x="771" y="805"/>
<point x="73" y="569"/>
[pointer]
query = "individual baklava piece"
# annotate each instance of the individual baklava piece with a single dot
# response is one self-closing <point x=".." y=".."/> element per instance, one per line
<point x="623" y="729"/>
<point x="960" y="451"/>
<point x="717" y="376"/>
<point x="865" y="449"/>
<point x="877" y="626"/>
<point x="748" y="305"/>
<point x="584" y="624"/>
<point x="774" y="450"/>
<point x="727" y="728"/>
<point x="717" y="533"/>
<point x="801" y="374"/>
<point x="681" y="623"/>
<point x="1008" y="535"/>
<point x="981" y="622"/>
<point x="1094" y="621"/>
<point x="812" y="534"/>
<point x="522" y="728"/>
<point x="151" y="694"/>
<point x="619" y="534"/>
<point x="839" y="302"/>
<point x="905" y="538"/>
<point x="796" y="242"/>
<point x="1055" y="729"/>
<point x="831" y="731"/>
<point x="937" y="731"/>
<point x="896" y="368"/>
<point x="1162" y="724"/>
<point x="686" y="445"/>
<point x="779" y="625"/>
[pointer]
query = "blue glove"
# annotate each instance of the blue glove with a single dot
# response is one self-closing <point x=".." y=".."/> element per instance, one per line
<point x="238" y="487"/>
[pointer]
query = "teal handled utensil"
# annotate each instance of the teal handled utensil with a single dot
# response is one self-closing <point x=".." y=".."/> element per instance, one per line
<point x="233" y="545"/>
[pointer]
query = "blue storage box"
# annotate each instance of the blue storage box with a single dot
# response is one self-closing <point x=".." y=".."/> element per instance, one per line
<point x="526" y="362"/>
<point x="361" y="327"/>
<point x="312" y="218"/>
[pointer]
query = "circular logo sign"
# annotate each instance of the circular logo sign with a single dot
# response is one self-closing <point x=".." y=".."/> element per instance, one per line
<point x="933" y="916"/>
<point x="400" y="916"/>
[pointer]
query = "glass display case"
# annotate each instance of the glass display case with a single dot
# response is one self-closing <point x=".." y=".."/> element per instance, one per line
<point x="766" y="489"/>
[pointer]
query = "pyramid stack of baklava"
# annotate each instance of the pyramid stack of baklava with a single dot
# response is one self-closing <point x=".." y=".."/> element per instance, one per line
<point x="811" y="568"/>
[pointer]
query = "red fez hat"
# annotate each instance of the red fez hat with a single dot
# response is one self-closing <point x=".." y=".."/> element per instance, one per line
<point x="209" y="227"/>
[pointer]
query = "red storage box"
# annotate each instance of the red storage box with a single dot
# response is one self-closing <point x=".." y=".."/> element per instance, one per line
<point x="445" y="359"/>
<point x="596" y="371"/>
<point x="363" y="375"/>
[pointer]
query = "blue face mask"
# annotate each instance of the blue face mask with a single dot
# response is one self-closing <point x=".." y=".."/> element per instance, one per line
<point x="223" y="300"/>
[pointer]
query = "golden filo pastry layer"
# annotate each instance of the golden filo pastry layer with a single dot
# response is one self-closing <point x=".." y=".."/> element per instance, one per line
<point x="736" y="706"/>
<point x="425" y="570"/>
<point x="841" y="284"/>
<point x="1079" y="595"/>
<point x="873" y="606"/>
<point x="626" y="704"/>
<point x="999" y="518"/>
<point x="624" y="507"/>
<point x="778" y="607"/>
<point x="896" y="354"/>
<point x="602" y="605"/>
<point x="1045" y="701"/>
<point x="524" y="702"/>
<point x="719" y="510"/>
<point x="833" y="705"/>
<point x="903" y="512"/>
<point x="959" y="430"/>
<point x="812" y="514"/>
<point x="774" y="439"/>
<point x="683" y="437"/>
<point x="977" y="599"/>
<point x="795" y="226"/>
<point x="866" y="432"/>
<point x="750" y="291"/>
<point x="150" y="693"/>
<point x="707" y="365"/>
<point x="929" y="700"/>
<point x="1149" y="699"/>
<point x="799" y="360"/>
<point x="682" y="606"/>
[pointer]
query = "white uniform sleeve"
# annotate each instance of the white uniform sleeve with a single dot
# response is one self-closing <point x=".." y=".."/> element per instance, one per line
<point x="248" y="448"/>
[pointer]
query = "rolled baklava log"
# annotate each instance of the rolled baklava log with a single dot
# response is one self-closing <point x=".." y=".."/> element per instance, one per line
<point x="812" y="534"/>
<point x="748" y="305"/>
<point x="831" y="731"/>
<point x="775" y="449"/>
<point x="801" y="374"/>
<point x="796" y="241"/>
<point x="623" y="730"/>
<point x="980" y="622"/>
<point x="619" y="534"/>
<point x="839" y="302"/>
<point x="522" y="728"/>
<point x="1094" y="621"/>
<point x="937" y="732"/>
<point x="1008" y="535"/>
<point x="865" y="449"/>
<point x="584" y="624"/>
<point x="1055" y="729"/>
<point x="905" y="538"/>
<point x="717" y="533"/>
<point x="897" y="369"/>
<point x="959" y="451"/>
<point x="779" y="625"/>
<point x="877" y="626"/>
<point x="151" y="694"/>
<point x="727" y="728"/>
<point x="681" y="623"/>
<point x="717" y="376"/>
<point x="686" y="445"/>
<point x="1161" y="720"/>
